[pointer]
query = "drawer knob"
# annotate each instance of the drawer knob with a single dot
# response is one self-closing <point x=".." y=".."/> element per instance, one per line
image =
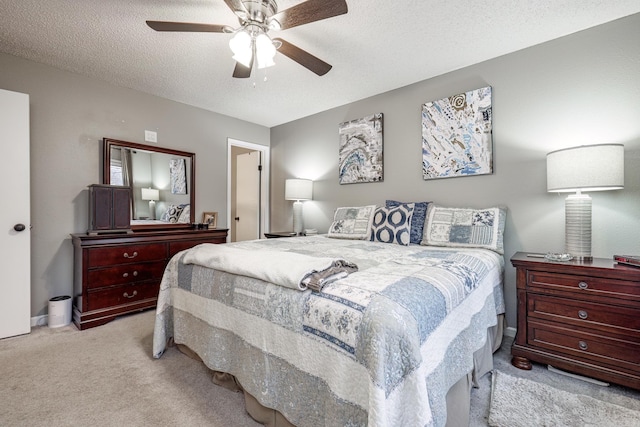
<point x="126" y="295"/>
<point x="135" y="273"/>
<point x="583" y="345"/>
<point x="583" y="285"/>
<point x="582" y="314"/>
<point x="126" y="255"/>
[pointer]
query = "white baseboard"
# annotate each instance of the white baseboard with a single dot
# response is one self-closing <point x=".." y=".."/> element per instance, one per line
<point x="40" y="320"/>
<point x="510" y="332"/>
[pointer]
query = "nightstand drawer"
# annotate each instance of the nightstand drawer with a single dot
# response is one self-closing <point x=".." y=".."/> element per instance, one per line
<point x="580" y="316"/>
<point x="585" y="287"/>
<point x="108" y="256"/>
<point x="603" y="317"/>
<point x="122" y="274"/>
<point x="592" y="347"/>
<point x="117" y="295"/>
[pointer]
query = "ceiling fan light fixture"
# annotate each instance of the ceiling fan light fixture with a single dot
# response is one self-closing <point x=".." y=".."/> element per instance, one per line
<point x="265" y="51"/>
<point x="241" y="46"/>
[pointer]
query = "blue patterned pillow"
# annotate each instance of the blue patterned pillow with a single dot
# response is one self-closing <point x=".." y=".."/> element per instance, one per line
<point x="417" y="221"/>
<point x="392" y="225"/>
<point x="462" y="227"/>
<point x="172" y="213"/>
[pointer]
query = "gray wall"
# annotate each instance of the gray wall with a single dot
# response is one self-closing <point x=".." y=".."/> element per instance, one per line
<point x="578" y="90"/>
<point x="70" y="115"/>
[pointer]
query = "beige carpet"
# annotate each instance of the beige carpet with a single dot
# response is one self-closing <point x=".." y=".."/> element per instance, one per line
<point x="105" y="376"/>
<point x="519" y="402"/>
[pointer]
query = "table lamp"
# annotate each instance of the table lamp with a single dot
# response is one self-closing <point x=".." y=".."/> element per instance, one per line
<point x="581" y="169"/>
<point x="298" y="190"/>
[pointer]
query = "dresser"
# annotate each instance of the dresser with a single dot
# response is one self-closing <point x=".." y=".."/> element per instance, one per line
<point x="579" y="317"/>
<point x="116" y="274"/>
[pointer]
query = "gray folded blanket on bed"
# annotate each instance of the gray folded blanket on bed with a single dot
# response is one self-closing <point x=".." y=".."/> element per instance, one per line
<point x="289" y="269"/>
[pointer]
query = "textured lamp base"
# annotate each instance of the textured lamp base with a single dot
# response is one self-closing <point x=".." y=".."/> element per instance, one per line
<point x="297" y="217"/>
<point x="577" y="210"/>
<point x="152" y="209"/>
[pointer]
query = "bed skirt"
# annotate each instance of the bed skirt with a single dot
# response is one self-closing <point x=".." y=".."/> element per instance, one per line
<point x="458" y="397"/>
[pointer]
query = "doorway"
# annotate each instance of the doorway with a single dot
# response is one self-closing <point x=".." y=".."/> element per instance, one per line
<point x="247" y="190"/>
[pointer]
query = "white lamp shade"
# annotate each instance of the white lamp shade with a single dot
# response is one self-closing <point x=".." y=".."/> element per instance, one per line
<point x="586" y="168"/>
<point x="150" y="194"/>
<point x="265" y="51"/>
<point x="298" y="189"/>
<point x="241" y="46"/>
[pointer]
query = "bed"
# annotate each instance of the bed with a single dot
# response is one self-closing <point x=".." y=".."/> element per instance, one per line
<point x="397" y="342"/>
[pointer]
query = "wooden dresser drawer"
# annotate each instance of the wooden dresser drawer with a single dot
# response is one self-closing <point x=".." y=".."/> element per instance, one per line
<point x="100" y="257"/>
<point x="126" y="273"/>
<point x="586" y="345"/>
<point x="585" y="287"/>
<point x="175" y="247"/>
<point x="118" y="295"/>
<point x="120" y="273"/>
<point x="602" y="317"/>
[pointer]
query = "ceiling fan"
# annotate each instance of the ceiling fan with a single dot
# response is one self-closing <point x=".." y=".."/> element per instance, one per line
<point x="251" y="44"/>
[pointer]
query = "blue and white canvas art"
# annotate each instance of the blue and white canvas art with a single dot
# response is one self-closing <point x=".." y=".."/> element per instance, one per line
<point x="178" y="173"/>
<point x="457" y="135"/>
<point x="360" y="153"/>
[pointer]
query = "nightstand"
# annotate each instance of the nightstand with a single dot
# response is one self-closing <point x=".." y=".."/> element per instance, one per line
<point x="580" y="317"/>
<point x="278" y="234"/>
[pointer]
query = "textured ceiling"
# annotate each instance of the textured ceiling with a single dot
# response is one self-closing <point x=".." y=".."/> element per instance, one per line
<point x="379" y="45"/>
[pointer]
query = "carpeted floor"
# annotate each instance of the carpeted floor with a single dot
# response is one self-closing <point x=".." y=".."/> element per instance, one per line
<point x="106" y="376"/>
<point x="519" y="402"/>
<point x="481" y="397"/>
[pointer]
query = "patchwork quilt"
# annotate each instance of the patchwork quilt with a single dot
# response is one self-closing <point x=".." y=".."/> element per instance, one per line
<point x="380" y="347"/>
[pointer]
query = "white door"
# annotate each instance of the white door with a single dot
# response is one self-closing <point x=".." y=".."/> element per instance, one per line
<point x="15" y="262"/>
<point x="247" y="218"/>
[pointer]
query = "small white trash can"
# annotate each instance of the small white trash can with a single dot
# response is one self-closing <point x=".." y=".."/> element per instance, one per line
<point x="59" y="311"/>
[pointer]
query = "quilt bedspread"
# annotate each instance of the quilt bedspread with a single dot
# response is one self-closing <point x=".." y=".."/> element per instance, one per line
<point x="380" y="347"/>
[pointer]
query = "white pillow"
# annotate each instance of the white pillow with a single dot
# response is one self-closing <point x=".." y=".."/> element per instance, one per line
<point x="352" y="222"/>
<point x="465" y="227"/>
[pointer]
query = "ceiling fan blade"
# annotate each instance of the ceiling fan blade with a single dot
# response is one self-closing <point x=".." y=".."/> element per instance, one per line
<point x="303" y="57"/>
<point x="189" y="27"/>
<point x="241" y="71"/>
<point x="309" y="11"/>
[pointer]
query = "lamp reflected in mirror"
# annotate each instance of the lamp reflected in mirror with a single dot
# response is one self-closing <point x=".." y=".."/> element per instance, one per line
<point x="151" y="194"/>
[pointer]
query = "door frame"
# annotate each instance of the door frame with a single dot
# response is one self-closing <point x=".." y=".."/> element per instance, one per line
<point x="264" y="182"/>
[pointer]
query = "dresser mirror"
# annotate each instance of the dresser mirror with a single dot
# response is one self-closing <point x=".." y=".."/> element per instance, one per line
<point x="162" y="181"/>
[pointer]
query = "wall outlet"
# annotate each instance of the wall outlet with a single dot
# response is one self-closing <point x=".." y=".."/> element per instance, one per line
<point x="150" y="136"/>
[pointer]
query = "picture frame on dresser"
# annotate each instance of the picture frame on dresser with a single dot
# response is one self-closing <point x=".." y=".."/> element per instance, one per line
<point x="210" y="218"/>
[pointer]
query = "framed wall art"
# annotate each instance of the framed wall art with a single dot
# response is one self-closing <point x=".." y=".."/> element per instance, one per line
<point x="457" y="135"/>
<point x="178" y="174"/>
<point x="360" y="152"/>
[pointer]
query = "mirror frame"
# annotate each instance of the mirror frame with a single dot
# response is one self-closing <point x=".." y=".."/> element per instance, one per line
<point x="106" y="177"/>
